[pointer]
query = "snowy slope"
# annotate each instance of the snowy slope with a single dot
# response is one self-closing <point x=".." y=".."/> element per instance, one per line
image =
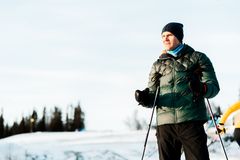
<point x="92" y="146"/>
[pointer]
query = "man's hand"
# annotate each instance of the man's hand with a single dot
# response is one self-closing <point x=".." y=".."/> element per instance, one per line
<point x="142" y="97"/>
<point x="197" y="87"/>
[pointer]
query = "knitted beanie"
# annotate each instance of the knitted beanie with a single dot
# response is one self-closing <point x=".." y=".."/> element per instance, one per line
<point x="175" y="28"/>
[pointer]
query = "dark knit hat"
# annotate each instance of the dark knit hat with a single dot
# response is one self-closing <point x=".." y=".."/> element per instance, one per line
<point x="175" y="28"/>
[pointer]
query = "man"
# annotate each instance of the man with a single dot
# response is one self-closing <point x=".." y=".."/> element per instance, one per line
<point x="185" y="77"/>
<point x="236" y="134"/>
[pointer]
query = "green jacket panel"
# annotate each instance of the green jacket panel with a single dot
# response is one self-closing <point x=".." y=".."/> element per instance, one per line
<point x="175" y="102"/>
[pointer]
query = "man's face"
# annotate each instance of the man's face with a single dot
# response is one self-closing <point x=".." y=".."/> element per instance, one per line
<point x="170" y="42"/>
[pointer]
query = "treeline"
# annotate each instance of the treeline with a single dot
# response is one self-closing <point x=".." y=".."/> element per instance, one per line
<point x="53" y="122"/>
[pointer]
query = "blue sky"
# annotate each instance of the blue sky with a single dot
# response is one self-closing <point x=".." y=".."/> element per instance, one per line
<point x="61" y="52"/>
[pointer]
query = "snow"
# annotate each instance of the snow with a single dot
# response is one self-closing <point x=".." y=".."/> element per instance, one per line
<point x="94" y="145"/>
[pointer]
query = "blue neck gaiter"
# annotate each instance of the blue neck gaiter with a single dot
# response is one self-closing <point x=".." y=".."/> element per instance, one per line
<point x="176" y="50"/>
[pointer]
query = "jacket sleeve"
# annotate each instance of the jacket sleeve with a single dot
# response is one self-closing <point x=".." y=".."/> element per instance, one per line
<point x="154" y="77"/>
<point x="153" y="82"/>
<point x="208" y="76"/>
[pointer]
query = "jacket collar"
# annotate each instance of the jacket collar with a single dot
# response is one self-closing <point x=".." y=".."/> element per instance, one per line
<point x="186" y="49"/>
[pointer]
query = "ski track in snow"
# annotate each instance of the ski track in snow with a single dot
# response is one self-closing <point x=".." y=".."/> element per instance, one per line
<point x="94" y="146"/>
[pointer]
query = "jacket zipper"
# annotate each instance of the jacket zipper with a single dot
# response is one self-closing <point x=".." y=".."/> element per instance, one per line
<point x="174" y="90"/>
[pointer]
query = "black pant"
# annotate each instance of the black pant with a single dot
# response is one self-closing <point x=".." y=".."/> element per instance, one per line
<point x="190" y="136"/>
<point x="236" y="135"/>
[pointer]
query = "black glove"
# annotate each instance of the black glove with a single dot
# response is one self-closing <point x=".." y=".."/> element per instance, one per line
<point x="142" y="97"/>
<point x="197" y="87"/>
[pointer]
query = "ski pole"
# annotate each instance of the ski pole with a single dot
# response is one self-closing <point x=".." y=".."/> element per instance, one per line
<point x="150" y="123"/>
<point x="215" y="124"/>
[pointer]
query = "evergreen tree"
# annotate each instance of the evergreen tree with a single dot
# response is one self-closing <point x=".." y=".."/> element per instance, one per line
<point x="14" y="129"/>
<point x="78" y="121"/>
<point x="22" y="128"/>
<point x="69" y="124"/>
<point x="6" y="131"/>
<point x="56" y="123"/>
<point x="1" y="126"/>
<point x="28" y="124"/>
<point x="41" y="126"/>
<point x="33" y="121"/>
